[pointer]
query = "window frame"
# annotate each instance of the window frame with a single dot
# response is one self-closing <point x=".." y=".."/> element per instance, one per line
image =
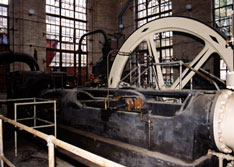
<point x="223" y="66"/>
<point x="160" y="39"/>
<point x="5" y="46"/>
<point x="67" y="45"/>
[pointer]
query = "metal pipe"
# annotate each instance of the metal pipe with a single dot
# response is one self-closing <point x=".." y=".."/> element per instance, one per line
<point x="144" y="65"/>
<point x="12" y="100"/>
<point x="25" y="119"/>
<point x="11" y="57"/>
<point x="168" y="63"/>
<point x="51" y="151"/>
<point x="1" y="144"/>
<point x="85" y="154"/>
<point x="45" y="121"/>
<point x="108" y="65"/>
<point x="34" y="103"/>
<point x="106" y="46"/>
<point x="220" y="162"/>
<point x="121" y="16"/>
<point x="191" y="83"/>
<point x="221" y="157"/>
<point x="151" y="76"/>
<point x="149" y="122"/>
<point x="34" y="118"/>
<point x="130" y="68"/>
<point x="55" y="119"/>
<point x="107" y="105"/>
<point x="34" y="114"/>
<point x="7" y="162"/>
<point x="180" y="87"/>
<point x="232" y="40"/>
<point x="133" y="70"/>
<point x="75" y="150"/>
<point x="202" y="75"/>
<point x="139" y="75"/>
<point x="212" y="76"/>
<point x="15" y="132"/>
<point x="42" y="126"/>
<point x="24" y="127"/>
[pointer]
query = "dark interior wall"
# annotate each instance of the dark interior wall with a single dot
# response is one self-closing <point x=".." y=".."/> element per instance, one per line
<point x="103" y="14"/>
<point x="27" y="32"/>
<point x="186" y="48"/>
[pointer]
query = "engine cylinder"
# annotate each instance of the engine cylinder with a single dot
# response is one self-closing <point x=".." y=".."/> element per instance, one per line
<point x="223" y="123"/>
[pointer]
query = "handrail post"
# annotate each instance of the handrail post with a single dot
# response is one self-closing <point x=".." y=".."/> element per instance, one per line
<point x="50" y="145"/>
<point x="15" y="115"/>
<point x="181" y="84"/>
<point x="55" y="119"/>
<point x="139" y="75"/>
<point x="53" y="141"/>
<point x="1" y="143"/>
<point x="34" y="113"/>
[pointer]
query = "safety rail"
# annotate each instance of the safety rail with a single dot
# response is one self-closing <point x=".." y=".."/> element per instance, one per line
<point x="222" y="157"/>
<point x="172" y="63"/>
<point x="32" y="102"/>
<point x="52" y="141"/>
<point x="149" y="68"/>
<point x="35" y="118"/>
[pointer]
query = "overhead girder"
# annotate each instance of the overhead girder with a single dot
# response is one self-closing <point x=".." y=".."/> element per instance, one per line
<point x="214" y="42"/>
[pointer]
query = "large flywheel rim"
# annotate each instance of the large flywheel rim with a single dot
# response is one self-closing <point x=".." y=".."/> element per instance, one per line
<point x="213" y="40"/>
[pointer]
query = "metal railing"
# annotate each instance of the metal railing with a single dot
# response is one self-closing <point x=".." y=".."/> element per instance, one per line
<point x="32" y="102"/>
<point x="35" y="118"/>
<point x="149" y="68"/>
<point x="51" y="142"/>
<point x="223" y="157"/>
<point x="173" y="63"/>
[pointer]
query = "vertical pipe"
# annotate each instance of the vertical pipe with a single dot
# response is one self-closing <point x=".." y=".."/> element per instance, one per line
<point x="149" y="133"/>
<point x="149" y="128"/>
<point x="232" y="40"/>
<point x="15" y="113"/>
<point x="191" y="83"/>
<point x="74" y="40"/>
<point x="1" y="143"/>
<point x="79" y="68"/>
<point x="151" y="77"/>
<point x="55" y="120"/>
<point x="220" y="162"/>
<point x="34" y="113"/>
<point x="13" y="28"/>
<point x="130" y="69"/>
<point x="120" y="27"/>
<point x="139" y="75"/>
<point x="60" y="37"/>
<point x="180" y="75"/>
<point x="50" y="152"/>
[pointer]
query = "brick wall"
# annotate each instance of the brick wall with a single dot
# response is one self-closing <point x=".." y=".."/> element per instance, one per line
<point x="27" y="32"/>
<point x="103" y="14"/>
<point x="186" y="48"/>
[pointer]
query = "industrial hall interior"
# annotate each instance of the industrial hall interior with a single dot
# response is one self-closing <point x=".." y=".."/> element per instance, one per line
<point x="117" y="83"/>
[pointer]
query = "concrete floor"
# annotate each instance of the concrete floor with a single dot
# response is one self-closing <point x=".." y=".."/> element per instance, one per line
<point x="33" y="152"/>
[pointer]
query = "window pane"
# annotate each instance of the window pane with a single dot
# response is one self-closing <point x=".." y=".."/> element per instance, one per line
<point x="152" y="10"/>
<point x="5" y="2"/>
<point x="222" y="14"/>
<point x="64" y="29"/>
